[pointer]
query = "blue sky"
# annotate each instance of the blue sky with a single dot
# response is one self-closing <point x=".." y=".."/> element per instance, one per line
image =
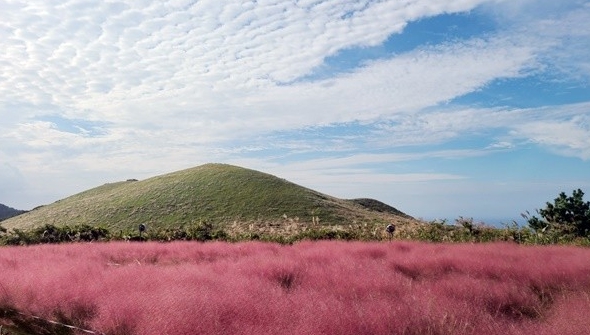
<point x="442" y="109"/>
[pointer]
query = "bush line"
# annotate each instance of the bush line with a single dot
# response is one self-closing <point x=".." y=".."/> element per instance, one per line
<point x="463" y="231"/>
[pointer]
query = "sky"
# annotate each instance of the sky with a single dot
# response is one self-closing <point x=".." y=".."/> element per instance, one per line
<point x="443" y="109"/>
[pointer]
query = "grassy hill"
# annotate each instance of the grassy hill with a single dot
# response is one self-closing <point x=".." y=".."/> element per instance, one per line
<point x="225" y="195"/>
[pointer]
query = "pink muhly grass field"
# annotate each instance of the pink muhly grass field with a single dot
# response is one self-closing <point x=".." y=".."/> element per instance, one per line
<point x="306" y="288"/>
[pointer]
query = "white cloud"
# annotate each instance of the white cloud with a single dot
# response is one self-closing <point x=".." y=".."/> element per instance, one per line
<point x="568" y="137"/>
<point x="564" y="25"/>
<point x="103" y="56"/>
<point x="564" y="129"/>
<point x="501" y="145"/>
<point x="213" y="66"/>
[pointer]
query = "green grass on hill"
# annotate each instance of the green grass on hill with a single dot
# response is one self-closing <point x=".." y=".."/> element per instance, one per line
<point x="217" y="193"/>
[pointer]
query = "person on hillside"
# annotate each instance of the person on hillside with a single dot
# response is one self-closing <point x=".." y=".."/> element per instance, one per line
<point x="390" y="230"/>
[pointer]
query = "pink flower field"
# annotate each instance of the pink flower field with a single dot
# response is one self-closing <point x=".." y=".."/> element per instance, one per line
<point x="306" y="288"/>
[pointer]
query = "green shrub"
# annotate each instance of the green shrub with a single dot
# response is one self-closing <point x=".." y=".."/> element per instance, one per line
<point x="568" y="216"/>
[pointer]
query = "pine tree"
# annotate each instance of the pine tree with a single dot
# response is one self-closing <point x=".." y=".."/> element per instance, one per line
<point x="567" y="214"/>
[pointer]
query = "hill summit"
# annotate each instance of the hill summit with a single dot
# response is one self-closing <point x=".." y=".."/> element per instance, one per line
<point x="218" y="193"/>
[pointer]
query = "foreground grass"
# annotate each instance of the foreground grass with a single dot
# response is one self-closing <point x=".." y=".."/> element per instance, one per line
<point x="325" y="287"/>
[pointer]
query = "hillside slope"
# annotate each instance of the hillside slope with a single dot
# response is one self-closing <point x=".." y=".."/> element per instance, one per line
<point x="218" y="193"/>
<point x="8" y="212"/>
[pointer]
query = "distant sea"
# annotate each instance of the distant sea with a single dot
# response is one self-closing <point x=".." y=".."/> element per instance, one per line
<point x="493" y="222"/>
